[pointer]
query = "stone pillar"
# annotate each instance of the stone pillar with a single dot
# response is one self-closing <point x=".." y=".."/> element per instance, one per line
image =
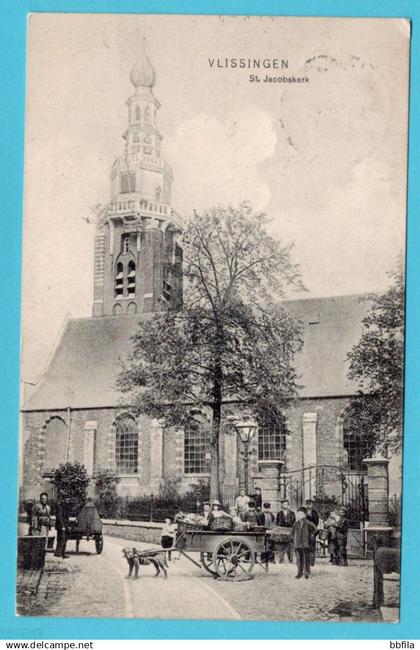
<point x="268" y="481"/>
<point x="230" y="483"/>
<point x="378" y="490"/>
<point x="309" y="421"/>
<point x="89" y="446"/>
<point x="156" y="457"/>
<point x="378" y="497"/>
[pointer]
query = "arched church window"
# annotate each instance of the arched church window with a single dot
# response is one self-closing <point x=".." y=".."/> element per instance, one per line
<point x="196" y="448"/>
<point x="358" y="441"/>
<point x="272" y="437"/>
<point x="132" y="308"/>
<point x="131" y="278"/>
<point x="55" y="438"/>
<point x="119" y="280"/>
<point x="126" y="445"/>
<point x="138" y="114"/>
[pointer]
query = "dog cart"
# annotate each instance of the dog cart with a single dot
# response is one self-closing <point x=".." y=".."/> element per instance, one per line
<point x="87" y="525"/>
<point x="226" y="554"/>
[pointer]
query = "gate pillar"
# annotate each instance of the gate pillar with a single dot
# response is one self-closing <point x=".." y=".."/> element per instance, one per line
<point x="268" y="481"/>
<point x="378" y="498"/>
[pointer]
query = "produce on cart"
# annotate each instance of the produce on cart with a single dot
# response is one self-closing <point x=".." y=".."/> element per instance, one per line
<point x="225" y="552"/>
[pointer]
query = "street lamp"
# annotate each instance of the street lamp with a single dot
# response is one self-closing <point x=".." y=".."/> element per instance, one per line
<point x="246" y="430"/>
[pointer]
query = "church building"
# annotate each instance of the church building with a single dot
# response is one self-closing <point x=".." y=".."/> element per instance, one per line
<point x="75" y="412"/>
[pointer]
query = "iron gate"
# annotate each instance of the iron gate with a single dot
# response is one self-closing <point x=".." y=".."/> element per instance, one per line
<point x="330" y="486"/>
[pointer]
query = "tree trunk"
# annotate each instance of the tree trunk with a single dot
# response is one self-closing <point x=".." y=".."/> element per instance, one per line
<point x="215" y="437"/>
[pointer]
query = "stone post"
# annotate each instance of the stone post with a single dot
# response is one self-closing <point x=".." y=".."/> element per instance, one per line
<point x="156" y="456"/>
<point x="378" y="496"/>
<point x="309" y="421"/>
<point x="268" y="481"/>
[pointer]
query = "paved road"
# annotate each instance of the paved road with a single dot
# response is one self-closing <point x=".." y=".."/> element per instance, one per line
<point x="95" y="585"/>
<point x="187" y="593"/>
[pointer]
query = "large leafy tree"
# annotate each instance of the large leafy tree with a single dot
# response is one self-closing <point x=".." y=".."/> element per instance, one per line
<point x="232" y="340"/>
<point x="376" y="363"/>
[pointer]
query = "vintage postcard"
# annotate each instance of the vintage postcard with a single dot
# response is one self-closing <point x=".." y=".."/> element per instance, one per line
<point x="213" y="317"/>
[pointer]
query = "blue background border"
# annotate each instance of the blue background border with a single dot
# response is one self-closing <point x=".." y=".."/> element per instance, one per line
<point x="13" y="16"/>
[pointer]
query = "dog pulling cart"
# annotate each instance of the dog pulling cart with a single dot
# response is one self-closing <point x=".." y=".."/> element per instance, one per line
<point x="226" y="554"/>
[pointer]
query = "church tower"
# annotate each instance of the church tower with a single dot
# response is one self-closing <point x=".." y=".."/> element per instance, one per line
<point x="138" y="260"/>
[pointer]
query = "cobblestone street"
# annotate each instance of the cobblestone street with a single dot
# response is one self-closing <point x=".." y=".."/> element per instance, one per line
<point x="94" y="585"/>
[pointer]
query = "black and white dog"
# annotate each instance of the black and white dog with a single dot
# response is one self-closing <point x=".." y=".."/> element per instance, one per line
<point x="136" y="558"/>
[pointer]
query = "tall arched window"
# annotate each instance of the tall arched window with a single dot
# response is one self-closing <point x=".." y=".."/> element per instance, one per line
<point x="196" y="448"/>
<point x="55" y="438"/>
<point x="127" y="445"/>
<point x="138" y="114"/>
<point x="272" y="437"/>
<point x="119" y="280"/>
<point x="358" y="441"/>
<point x="131" y="277"/>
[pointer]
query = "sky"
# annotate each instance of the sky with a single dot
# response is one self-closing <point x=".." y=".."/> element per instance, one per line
<point x="326" y="159"/>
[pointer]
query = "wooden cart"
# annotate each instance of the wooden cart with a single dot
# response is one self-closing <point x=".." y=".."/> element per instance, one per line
<point x="229" y="555"/>
<point x="87" y="525"/>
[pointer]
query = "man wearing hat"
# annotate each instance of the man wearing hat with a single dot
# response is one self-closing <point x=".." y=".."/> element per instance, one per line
<point x="286" y="518"/>
<point x="303" y="531"/>
<point x="251" y="516"/>
<point x="206" y="511"/>
<point x="241" y="503"/>
<point x="314" y="517"/>
<point x="342" y="528"/>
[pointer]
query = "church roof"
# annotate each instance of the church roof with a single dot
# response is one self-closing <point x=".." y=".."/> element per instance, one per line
<point x="84" y="367"/>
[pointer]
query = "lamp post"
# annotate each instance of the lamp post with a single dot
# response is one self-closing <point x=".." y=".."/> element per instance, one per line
<point x="246" y="430"/>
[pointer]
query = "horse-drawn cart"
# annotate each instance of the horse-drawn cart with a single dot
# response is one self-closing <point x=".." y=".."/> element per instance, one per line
<point x="230" y="555"/>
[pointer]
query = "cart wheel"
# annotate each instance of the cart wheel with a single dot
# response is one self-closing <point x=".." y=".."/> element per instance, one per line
<point x="207" y="562"/>
<point x="99" y="544"/>
<point x="233" y="559"/>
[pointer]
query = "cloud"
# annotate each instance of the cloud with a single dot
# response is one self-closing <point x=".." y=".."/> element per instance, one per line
<point x="218" y="162"/>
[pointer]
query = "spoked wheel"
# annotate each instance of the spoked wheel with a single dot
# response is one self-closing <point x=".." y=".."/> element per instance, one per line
<point x="233" y="559"/>
<point x="207" y="562"/>
<point x="99" y="544"/>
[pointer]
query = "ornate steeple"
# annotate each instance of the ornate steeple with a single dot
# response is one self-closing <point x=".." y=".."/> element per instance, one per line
<point x="136" y="249"/>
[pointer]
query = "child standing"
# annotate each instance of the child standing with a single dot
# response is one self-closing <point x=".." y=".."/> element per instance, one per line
<point x="168" y="535"/>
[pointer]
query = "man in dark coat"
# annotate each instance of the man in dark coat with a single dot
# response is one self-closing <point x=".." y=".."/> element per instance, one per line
<point x="342" y="528"/>
<point x="266" y="519"/>
<point x="251" y="516"/>
<point x="303" y="531"/>
<point x="62" y="525"/>
<point x="286" y="518"/>
<point x="314" y="517"/>
<point x="257" y="498"/>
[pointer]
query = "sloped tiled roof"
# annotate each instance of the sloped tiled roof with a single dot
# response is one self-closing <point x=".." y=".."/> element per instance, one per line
<point x="84" y="367"/>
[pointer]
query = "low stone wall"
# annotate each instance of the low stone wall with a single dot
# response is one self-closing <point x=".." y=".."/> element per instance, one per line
<point x="137" y="531"/>
<point x="355" y="544"/>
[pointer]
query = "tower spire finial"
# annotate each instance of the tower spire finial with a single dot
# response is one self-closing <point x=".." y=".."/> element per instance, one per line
<point x="143" y="73"/>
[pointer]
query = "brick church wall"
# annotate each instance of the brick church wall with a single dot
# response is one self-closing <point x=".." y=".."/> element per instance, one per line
<point x="328" y="447"/>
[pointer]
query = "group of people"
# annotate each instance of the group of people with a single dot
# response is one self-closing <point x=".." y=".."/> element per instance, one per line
<point x="41" y="521"/>
<point x="304" y="526"/>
